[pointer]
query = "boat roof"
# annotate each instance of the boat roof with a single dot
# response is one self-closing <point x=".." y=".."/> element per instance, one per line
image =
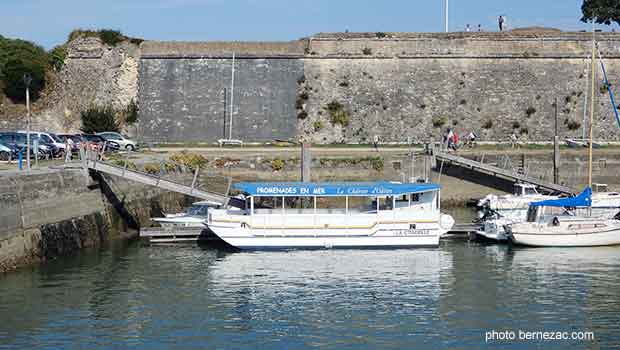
<point x="207" y="203"/>
<point x="584" y="199"/>
<point x="333" y="189"/>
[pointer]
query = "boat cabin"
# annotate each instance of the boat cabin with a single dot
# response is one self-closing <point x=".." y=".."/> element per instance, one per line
<point x="522" y="189"/>
<point x="337" y="198"/>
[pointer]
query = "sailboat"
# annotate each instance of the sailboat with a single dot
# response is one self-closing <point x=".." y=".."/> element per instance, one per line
<point x="555" y="222"/>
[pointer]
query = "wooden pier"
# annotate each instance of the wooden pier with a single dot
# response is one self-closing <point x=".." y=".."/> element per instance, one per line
<point x="174" y="235"/>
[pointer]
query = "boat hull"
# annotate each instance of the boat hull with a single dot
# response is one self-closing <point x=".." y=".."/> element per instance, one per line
<point x="611" y="237"/>
<point x="287" y="243"/>
<point x="248" y="239"/>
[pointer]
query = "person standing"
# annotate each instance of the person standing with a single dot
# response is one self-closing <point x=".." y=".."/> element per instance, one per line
<point x="467" y="28"/>
<point x="500" y="21"/>
<point x="375" y="142"/>
<point x="68" y="149"/>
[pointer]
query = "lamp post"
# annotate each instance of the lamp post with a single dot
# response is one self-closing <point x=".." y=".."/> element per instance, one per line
<point x="446" y="15"/>
<point x="27" y="81"/>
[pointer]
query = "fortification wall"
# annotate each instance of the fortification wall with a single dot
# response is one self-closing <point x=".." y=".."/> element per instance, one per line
<point x="397" y="86"/>
<point x="48" y="214"/>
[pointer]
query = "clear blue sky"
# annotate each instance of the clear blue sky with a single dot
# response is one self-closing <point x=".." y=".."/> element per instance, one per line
<point x="48" y="22"/>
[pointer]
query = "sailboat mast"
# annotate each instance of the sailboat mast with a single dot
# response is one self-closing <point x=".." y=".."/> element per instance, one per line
<point x="593" y="72"/>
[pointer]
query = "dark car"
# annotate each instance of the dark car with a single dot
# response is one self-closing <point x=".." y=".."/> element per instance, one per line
<point x="77" y="140"/>
<point x="99" y="142"/>
<point x="17" y="141"/>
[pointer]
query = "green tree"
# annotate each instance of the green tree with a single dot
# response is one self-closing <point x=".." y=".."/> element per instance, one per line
<point x="99" y="119"/>
<point x="13" y="78"/>
<point x="601" y="11"/>
<point x="18" y="57"/>
<point x="57" y="57"/>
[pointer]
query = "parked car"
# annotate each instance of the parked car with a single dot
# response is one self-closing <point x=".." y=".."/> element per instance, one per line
<point x="6" y="152"/>
<point x="57" y="147"/>
<point x="76" y="138"/>
<point x="18" y="142"/>
<point x="122" y="141"/>
<point x="97" y="142"/>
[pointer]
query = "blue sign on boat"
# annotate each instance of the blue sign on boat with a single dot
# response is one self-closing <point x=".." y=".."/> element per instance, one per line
<point x="300" y="189"/>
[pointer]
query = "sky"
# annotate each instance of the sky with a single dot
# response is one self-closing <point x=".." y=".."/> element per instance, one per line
<point x="48" y="22"/>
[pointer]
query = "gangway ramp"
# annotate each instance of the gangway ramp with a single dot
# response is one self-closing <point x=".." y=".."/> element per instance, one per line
<point x="157" y="181"/>
<point x="493" y="170"/>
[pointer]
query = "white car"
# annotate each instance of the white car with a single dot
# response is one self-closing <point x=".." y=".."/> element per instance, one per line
<point x="47" y="138"/>
<point x="123" y="142"/>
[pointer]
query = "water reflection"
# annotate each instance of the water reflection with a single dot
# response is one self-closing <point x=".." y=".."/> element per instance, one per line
<point x="192" y="298"/>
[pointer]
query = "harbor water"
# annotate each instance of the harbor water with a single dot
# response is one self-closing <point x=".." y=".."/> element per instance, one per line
<point x="130" y="296"/>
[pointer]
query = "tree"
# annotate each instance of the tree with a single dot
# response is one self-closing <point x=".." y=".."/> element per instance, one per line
<point x="601" y="11"/>
<point x="99" y="119"/>
<point x="18" y="57"/>
<point x="13" y="78"/>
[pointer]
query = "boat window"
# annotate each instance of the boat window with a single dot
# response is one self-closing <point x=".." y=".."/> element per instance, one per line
<point x="198" y="210"/>
<point x="529" y="190"/>
<point x="385" y="203"/>
<point x="415" y="197"/>
<point x="531" y="214"/>
<point x="362" y="204"/>
<point x="298" y="203"/>
<point x="330" y="205"/>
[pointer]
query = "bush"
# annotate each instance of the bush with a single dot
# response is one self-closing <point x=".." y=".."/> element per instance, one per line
<point x="380" y="35"/>
<point x="302" y="115"/>
<point x="107" y="36"/>
<point x="573" y="125"/>
<point x="529" y="111"/>
<point x="318" y="125"/>
<point x="191" y="160"/>
<point x="337" y="114"/>
<point x="99" y="119"/>
<point x="367" y="51"/>
<point x="488" y="124"/>
<point x="524" y="131"/>
<point x="377" y="163"/>
<point x="438" y="122"/>
<point x="277" y="164"/>
<point x="516" y="125"/>
<point x="131" y="113"/>
<point x="152" y="168"/>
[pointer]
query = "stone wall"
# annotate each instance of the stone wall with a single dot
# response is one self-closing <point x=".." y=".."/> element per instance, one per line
<point x="397" y="86"/>
<point x="183" y="100"/>
<point x="49" y="214"/>
<point x="93" y="74"/>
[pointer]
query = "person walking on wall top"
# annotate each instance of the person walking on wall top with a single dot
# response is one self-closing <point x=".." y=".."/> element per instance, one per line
<point x="501" y="22"/>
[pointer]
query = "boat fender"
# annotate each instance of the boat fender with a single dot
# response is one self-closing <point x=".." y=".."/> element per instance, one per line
<point x="446" y="222"/>
<point x="556" y="221"/>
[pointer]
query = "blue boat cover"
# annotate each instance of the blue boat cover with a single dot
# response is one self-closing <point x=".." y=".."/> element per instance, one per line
<point x="584" y="199"/>
<point x="333" y="189"/>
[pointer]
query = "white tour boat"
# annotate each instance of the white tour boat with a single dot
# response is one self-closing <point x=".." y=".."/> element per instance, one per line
<point x="552" y="223"/>
<point x="333" y="215"/>
<point x="195" y="216"/>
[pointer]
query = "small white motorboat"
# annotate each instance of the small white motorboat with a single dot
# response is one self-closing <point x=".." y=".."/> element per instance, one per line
<point x="333" y="215"/>
<point x="194" y="216"/>
<point x="553" y="223"/>
<point x="511" y="206"/>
